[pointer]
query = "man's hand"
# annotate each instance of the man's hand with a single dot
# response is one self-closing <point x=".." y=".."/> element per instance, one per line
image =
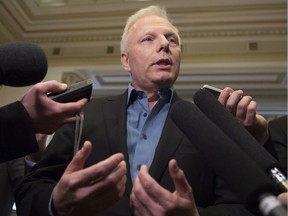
<point x="149" y="198"/>
<point x="244" y="110"/>
<point x="283" y="198"/>
<point x="46" y="114"/>
<point x="89" y="191"/>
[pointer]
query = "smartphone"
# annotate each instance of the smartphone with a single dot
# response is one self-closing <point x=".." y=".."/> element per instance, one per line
<point x="215" y="91"/>
<point x="74" y="92"/>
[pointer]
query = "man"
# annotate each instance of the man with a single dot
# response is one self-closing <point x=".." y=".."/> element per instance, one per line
<point x="35" y="113"/>
<point x="137" y="124"/>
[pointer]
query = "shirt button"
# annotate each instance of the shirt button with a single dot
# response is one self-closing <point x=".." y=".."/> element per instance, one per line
<point x="138" y="167"/>
<point x="144" y="136"/>
<point x="145" y="114"/>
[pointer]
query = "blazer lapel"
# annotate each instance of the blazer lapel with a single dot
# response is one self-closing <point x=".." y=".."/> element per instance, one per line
<point x="115" y="119"/>
<point x="168" y="144"/>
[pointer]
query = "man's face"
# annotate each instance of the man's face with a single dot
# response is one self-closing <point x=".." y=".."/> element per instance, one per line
<point x="153" y="55"/>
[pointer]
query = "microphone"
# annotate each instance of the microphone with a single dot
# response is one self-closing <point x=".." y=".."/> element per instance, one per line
<point x="234" y="166"/>
<point x="22" y="64"/>
<point x="217" y="113"/>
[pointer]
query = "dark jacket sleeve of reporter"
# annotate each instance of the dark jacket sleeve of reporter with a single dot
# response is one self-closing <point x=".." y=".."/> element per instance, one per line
<point x="17" y="136"/>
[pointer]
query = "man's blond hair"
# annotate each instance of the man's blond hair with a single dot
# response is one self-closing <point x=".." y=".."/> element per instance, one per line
<point x="148" y="11"/>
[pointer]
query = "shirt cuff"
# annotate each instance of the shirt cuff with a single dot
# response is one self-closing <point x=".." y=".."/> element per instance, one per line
<point x="29" y="163"/>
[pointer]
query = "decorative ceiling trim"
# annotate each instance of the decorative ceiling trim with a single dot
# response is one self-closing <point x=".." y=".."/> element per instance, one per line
<point x="184" y="35"/>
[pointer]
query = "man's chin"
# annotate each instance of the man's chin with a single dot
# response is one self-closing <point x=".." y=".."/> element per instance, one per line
<point x="164" y="83"/>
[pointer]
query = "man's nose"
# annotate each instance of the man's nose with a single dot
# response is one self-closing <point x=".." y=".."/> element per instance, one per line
<point x="163" y="44"/>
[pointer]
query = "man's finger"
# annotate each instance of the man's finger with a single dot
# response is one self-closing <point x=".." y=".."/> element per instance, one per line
<point x="79" y="159"/>
<point x="182" y="186"/>
<point x="52" y="86"/>
<point x="74" y="107"/>
<point x="156" y="192"/>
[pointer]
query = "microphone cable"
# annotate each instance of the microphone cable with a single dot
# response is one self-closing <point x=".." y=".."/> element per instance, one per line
<point x="78" y="130"/>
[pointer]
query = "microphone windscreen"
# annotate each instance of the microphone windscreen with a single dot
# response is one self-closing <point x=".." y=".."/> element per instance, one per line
<point x="218" y="114"/>
<point x="22" y="64"/>
<point x="230" y="163"/>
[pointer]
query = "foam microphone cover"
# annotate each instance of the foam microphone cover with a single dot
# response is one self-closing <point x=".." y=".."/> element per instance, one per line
<point x="22" y="64"/>
<point x="218" y="114"/>
<point x="230" y="163"/>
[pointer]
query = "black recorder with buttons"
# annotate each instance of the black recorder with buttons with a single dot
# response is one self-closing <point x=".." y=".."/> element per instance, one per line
<point x="74" y="92"/>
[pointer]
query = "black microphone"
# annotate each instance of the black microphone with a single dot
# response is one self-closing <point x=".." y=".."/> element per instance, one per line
<point x="22" y="64"/>
<point x="230" y="163"/>
<point x="218" y="114"/>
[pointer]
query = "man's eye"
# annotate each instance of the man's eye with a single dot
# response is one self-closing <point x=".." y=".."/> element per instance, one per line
<point x="173" y="40"/>
<point x="147" y="39"/>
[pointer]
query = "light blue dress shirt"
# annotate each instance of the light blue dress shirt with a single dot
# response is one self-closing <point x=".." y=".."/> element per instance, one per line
<point x="144" y="126"/>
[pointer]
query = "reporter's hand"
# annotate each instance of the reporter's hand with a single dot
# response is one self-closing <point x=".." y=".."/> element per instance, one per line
<point x="243" y="107"/>
<point x="88" y="191"/>
<point x="149" y="198"/>
<point x="41" y="140"/>
<point x="46" y="114"/>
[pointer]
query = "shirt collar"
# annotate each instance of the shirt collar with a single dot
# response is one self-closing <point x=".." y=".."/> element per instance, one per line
<point x="133" y="94"/>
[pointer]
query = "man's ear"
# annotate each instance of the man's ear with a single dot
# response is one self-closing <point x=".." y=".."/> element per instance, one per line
<point x="125" y="61"/>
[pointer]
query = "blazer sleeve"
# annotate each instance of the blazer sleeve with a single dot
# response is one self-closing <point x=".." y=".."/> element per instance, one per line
<point x="33" y="195"/>
<point x="17" y="136"/>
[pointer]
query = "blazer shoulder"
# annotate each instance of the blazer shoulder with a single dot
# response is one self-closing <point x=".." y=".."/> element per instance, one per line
<point x="176" y="98"/>
<point x="104" y="99"/>
<point x="97" y="102"/>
